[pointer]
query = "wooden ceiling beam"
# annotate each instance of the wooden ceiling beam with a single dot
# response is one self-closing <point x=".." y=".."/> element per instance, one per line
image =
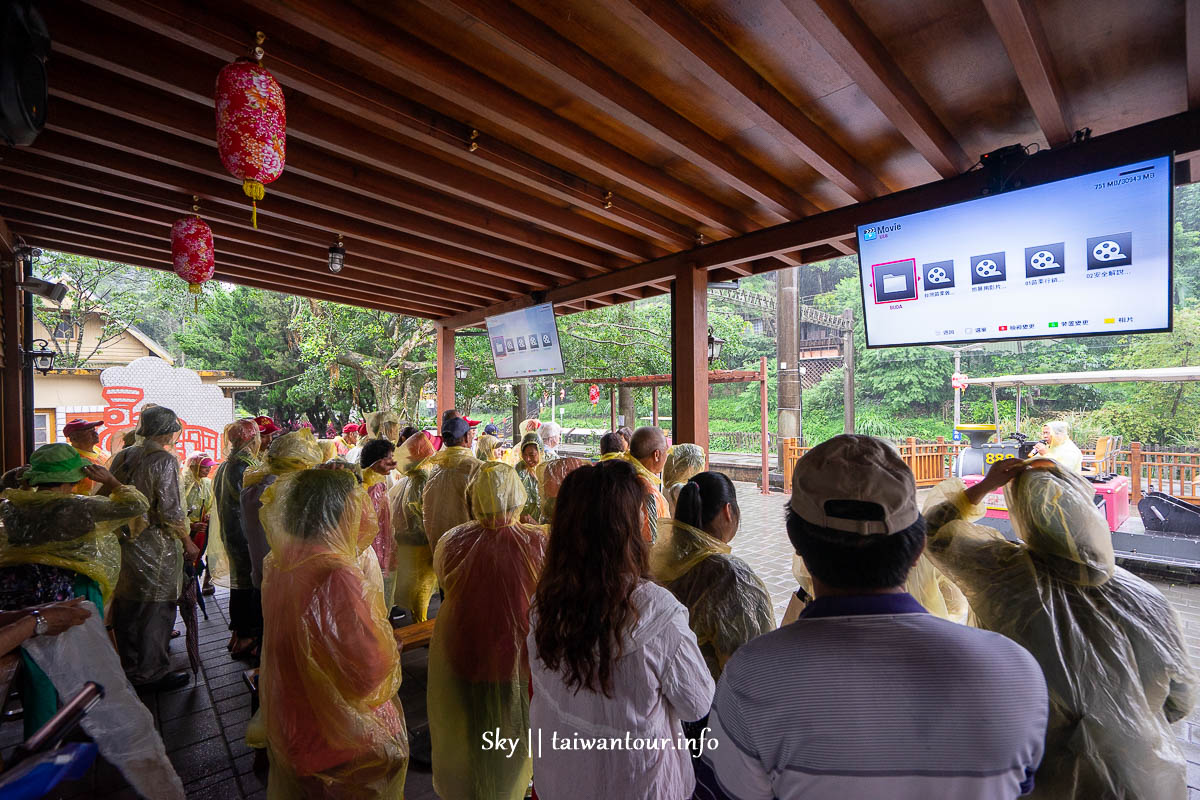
<point x="723" y="70"/>
<point x="74" y="75"/>
<point x="233" y="273"/>
<point x="119" y="195"/>
<point x="501" y="111"/>
<point x="1179" y="134"/>
<point x="531" y="42"/>
<point x="1192" y="37"/>
<point x="125" y="130"/>
<point x="841" y="32"/>
<point x="1021" y="31"/>
<point x="222" y="38"/>
<point x="124" y="230"/>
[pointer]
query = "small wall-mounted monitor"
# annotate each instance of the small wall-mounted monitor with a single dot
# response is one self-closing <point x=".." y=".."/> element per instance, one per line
<point x="525" y="343"/>
<point x="1083" y="256"/>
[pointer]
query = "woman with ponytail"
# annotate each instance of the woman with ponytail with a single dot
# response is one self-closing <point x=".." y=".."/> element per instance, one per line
<point x="728" y="605"/>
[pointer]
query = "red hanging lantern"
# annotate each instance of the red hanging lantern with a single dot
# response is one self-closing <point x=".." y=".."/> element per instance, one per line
<point x="251" y="126"/>
<point x="594" y="394"/>
<point x="192" y="252"/>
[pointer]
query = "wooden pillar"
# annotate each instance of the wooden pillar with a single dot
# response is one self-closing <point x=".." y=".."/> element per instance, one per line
<point x="654" y="406"/>
<point x="690" y="338"/>
<point x="765" y="447"/>
<point x="787" y="338"/>
<point x="1135" y="473"/>
<point x="445" y="371"/>
<point x="626" y="407"/>
<point x="612" y="406"/>
<point x="12" y="410"/>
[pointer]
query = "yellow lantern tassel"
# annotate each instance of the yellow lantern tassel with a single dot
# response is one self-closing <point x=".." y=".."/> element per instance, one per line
<point x="194" y="288"/>
<point x="255" y="191"/>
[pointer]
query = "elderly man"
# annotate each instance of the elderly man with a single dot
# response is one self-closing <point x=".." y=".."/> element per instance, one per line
<point x="867" y="694"/>
<point x="1060" y="447"/>
<point x="551" y="434"/>
<point x="152" y="553"/>
<point x="648" y="454"/>
<point x="83" y="437"/>
<point x="348" y="439"/>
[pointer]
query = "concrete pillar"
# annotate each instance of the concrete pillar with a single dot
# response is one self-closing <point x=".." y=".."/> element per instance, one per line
<point x="848" y="372"/>
<point x="788" y="422"/>
<point x="625" y="406"/>
<point x="520" y="407"/>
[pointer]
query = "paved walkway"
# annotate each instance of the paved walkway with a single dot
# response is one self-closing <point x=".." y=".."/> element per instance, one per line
<point x="204" y="725"/>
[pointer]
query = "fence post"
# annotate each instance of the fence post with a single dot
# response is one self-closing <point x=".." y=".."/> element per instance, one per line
<point x="1135" y="472"/>
<point x="942" y="451"/>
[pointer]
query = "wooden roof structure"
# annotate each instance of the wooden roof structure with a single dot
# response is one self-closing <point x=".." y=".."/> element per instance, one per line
<point x="476" y="154"/>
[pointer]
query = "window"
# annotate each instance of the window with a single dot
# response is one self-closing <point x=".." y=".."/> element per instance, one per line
<point x="65" y="329"/>
<point x="43" y="427"/>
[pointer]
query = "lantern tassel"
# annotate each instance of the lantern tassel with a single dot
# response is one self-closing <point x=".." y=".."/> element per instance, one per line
<point x="255" y="191"/>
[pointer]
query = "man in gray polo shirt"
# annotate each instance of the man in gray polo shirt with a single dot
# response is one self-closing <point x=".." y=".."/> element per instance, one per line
<point x="867" y="695"/>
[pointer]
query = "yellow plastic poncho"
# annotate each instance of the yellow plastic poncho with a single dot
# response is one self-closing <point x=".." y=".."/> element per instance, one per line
<point x="385" y="424"/>
<point x="330" y="664"/>
<point x="728" y="605"/>
<point x="485" y="448"/>
<point x="478" y="663"/>
<point x="683" y="461"/>
<point x="75" y="532"/>
<point x="1108" y="642"/>
<point x="1065" y="452"/>
<point x="444" y="499"/>
<point x="551" y="475"/>
<point x="657" y="507"/>
<point x="414" y="560"/>
<point x="291" y="452"/>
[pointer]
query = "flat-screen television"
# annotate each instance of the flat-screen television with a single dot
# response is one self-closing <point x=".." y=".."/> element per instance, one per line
<point x="1083" y="256"/>
<point x="525" y="343"/>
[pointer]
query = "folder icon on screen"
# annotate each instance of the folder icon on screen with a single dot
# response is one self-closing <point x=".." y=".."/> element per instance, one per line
<point x="895" y="283"/>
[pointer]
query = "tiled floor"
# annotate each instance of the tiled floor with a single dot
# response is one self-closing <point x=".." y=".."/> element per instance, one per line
<point x="204" y="725"/>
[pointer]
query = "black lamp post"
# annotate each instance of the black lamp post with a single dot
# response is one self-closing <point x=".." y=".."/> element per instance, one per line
<point x="40" y="356"/>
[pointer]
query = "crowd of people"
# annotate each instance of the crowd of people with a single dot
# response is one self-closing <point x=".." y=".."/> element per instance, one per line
<point x="596" y="636"/>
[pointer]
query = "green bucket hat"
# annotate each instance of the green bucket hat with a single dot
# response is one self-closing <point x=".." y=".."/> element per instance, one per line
<point x="55" y="463"/>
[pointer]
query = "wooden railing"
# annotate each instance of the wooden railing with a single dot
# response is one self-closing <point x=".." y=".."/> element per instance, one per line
<point x="1174" y="472"/>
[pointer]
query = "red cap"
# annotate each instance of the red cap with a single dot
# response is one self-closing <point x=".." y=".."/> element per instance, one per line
<point x="207" y="462"/>
<point x="350" y="427"/>
<point x="266" y="425"/>
<point x="77" y="425"/>
<point x="472" y="422"/>
<point x="362" y="429"/>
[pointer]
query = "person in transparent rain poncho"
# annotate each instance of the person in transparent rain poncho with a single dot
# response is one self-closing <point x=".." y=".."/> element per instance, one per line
<point x="330" y="663"/>
<point x="683" y="461"/>
<point x="245" y="602"/>
<point x="529" y="466"/>
<point x="478" y="663"/>
<point x="550" y="479"/>
<point x="1108" y="642"/>
<point x="414" y="560"/>
<point x="152" y="552"/>
<point x="728" y="605"/>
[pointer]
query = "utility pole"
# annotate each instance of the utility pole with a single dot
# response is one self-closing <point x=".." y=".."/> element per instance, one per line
<point x="789" y="423"/>
<point x="520" y="407"/>
<point x="848" y="369"/>
<point x="957" y="352"/>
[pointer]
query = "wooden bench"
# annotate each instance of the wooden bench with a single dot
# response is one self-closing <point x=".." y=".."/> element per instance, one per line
<point x="417" y="635"/>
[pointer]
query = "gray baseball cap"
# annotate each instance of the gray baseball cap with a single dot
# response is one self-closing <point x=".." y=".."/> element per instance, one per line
<point x="832" y="481"/>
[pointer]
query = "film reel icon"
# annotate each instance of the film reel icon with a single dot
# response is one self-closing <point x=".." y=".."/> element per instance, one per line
<point x="987" y="268"/>
<point x="937" y="275"/>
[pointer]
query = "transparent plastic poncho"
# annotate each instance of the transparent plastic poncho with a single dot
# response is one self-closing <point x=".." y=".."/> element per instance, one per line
<point x="75" y="532"/>
<point x="728" y="605"/>
<point x="415" y="581"/>
<point x="478" y="664"/>
<point x="330" y="664"/>
<point x="152" y="544"/>
<point x="444" y="499"/>
<point x="683" y="462"/>
<point x="230" y="560"/>
<point x="550" y="477"/>
<point x="1108" y="642"/>
<point x="384" y="424"/>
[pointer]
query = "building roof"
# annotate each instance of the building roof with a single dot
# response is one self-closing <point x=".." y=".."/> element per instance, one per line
<point x="477" y="154"/>
<point x="1161" y="375"/>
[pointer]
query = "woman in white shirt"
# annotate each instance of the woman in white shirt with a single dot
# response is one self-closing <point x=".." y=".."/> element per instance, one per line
<point x="614" y="666"/>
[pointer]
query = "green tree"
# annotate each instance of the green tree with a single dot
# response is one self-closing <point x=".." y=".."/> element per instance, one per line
<point x="103" y="299"/>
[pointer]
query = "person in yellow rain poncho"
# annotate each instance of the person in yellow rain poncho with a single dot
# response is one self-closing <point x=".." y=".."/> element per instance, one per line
<point x="683" y="461"/>
<point x="528" y="468"/>
<point x="384" y="425"/>
<point x="444" y="499"/>
<point x="330" y="663"/>
<point x="550" y="479"/>
<point x="728" y="605"/>
<point x="613" y="445"/>
<point x="56" y="545"/>
<point x="478" y="663"/>
<point x="1060" y="447"/>
<point x="1108" y="642"/>
<point x="245" y="602"/>
<point x="414" y="560"/>
<point x="377" y="461"/>
<point x="648" y="455"/>
<point x="288" y="453"/>
<point x="485" y="448"/>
